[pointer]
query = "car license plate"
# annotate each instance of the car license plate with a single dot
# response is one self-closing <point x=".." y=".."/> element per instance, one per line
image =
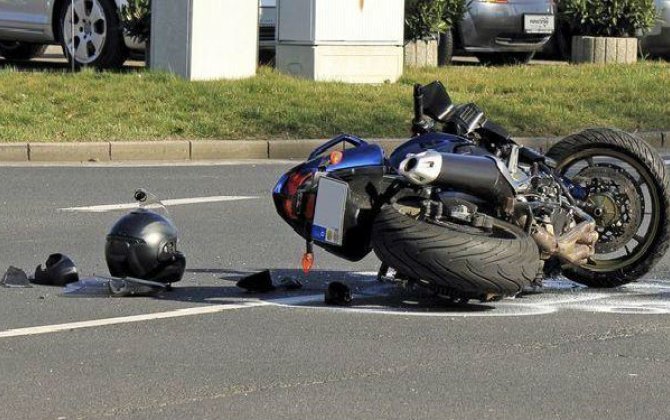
<point x="331" y="201"/>
<point x="538" y="24"/>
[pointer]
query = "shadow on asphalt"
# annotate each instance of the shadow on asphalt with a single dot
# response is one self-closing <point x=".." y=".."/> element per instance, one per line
<point x="368" y="293"/>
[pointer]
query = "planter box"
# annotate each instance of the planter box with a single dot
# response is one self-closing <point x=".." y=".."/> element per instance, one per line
<point x="604" y="50"/>
<point x="421" y="53"/>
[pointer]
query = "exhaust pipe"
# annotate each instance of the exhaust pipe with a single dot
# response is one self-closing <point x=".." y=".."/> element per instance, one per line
<point x="478" y="175"/>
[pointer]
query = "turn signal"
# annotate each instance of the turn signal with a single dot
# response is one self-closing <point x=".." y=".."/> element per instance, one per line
<point x="307" y="262"/>
<point x="335" y="157"/>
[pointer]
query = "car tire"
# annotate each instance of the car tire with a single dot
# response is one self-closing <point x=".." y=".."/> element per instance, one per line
<point x="98" y="36"/>
<point x="445" y="48"/>
<point x="505" y="58"/>
<point x="11" y="50"/>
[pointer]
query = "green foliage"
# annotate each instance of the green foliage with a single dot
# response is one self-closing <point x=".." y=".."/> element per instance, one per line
<point x="424" y="19"/>
<point x="616" y="18"/>
<point x="136" y="19"/>
<point x="454" y="11"/>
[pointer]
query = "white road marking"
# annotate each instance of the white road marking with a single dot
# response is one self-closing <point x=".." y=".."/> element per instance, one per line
<point x="666" y="161"/>
<point x="637" y="302"/>
<point x="202" y="310"/>
<point x="173" y="202"/>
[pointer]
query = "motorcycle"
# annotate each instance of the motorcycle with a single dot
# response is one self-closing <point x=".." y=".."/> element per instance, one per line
<point x="464" y="210"/>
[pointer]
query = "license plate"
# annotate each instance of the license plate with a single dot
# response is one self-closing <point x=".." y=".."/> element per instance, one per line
<point x="331" y="201"/>
<point x="538" y="24"/>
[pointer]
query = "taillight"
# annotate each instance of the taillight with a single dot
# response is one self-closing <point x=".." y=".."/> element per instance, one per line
<point x="292" y="194"/>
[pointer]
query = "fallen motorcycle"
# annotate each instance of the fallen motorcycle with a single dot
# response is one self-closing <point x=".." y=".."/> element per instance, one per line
<point x="465" y="211"/>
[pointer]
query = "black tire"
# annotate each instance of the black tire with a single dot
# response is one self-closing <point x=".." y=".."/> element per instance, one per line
<point x="13" y="50"/>
<point x="600" y="142"/>
<point x="563" y="41"/>
<point x="445" y="48"/>
<point x="505" y="58"/>
<point x="455" y="261"/>
<point x="112" y="52"/>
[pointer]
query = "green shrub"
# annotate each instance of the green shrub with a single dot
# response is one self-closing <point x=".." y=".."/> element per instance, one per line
<point x="424" y="19"/>
<point x="136" y="19"/>
<point x="454" y="11"/>
<point x="616" y="18"/>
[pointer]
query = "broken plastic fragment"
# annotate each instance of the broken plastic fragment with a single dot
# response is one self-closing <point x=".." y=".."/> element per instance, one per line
<point x="134" y="287"/>
<point x="338" y="294"/>
<point x="290" y="283"/>
<point x="258" y="282"/>
<point x="89" y="287"/>
<point x="15" y="277"/>
<point x="100" y="286"/>
<point x="58" y="270"/>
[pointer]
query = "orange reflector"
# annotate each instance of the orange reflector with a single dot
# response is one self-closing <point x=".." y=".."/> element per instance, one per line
<point x="307" y="262"/>
<point x="335" y="157"/>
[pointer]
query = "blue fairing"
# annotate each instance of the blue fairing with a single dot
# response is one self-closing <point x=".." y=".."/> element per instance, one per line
<point x="361" y="155"/>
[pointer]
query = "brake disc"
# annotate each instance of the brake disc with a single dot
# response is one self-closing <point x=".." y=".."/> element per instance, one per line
<point x="615" y="202"/>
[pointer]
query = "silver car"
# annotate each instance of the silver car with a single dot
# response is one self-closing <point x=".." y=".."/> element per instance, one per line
<point x="501" y="31"/>
<point x="496" y="31"/>
<point x="91" y="36"/>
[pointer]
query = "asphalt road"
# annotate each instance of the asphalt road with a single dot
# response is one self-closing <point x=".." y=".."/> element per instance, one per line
<point x="210" y="351"/>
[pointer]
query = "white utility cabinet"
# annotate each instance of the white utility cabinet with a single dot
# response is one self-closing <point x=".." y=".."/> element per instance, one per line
<point x="355" y="41"/>
<point x="205" y="39"/>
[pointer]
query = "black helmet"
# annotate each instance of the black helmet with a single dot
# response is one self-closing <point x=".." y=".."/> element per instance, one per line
<point x="143" y="245"/>
<point x="58" y="270"/>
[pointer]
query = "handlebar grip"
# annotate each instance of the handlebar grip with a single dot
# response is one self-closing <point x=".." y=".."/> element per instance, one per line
<point x="418" y="102"/>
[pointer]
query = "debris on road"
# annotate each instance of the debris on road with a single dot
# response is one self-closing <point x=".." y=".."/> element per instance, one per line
<point x="15" y="278"/>
<point x="114" y="287"/>
<point x="59" y="270"/>
<point x="290" y="283"/>
<point x="258" y="282"/>
<point x="338" y="294"/>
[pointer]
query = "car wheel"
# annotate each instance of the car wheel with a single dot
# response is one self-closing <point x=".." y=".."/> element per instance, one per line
<point x="91" y="34"/>
<point x="13" y="50"/>
<point x="505" y="59"/>
<point x="445" y="49"/>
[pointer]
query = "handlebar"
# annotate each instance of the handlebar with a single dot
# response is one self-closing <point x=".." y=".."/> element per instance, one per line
<point x="418" y="103"/>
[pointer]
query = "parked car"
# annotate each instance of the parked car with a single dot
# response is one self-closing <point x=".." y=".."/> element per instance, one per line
<point x="267" y="31"/>
<point x="28" y="26"/>
<point x="657" y="42"/>
<point x="495" y="31"/>
<point x="500" y="31"/>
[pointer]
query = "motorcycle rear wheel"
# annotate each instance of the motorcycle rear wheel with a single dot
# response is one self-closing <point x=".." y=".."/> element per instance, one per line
<point x="648" y="236"/>
<point x="456" y="261"/>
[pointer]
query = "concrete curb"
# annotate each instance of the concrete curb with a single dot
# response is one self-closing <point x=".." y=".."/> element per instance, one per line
<point x="174" y="150"/>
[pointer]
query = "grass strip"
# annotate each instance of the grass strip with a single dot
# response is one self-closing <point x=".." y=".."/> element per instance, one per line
<point x="142" y="105"/>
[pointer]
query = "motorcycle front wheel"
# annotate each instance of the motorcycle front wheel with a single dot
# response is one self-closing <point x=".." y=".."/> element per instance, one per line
<point x="625" y="183"/>
<point x="456" y="261"/>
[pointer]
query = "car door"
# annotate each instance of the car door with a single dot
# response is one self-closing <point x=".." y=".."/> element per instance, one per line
<point x="24" y="18"/>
